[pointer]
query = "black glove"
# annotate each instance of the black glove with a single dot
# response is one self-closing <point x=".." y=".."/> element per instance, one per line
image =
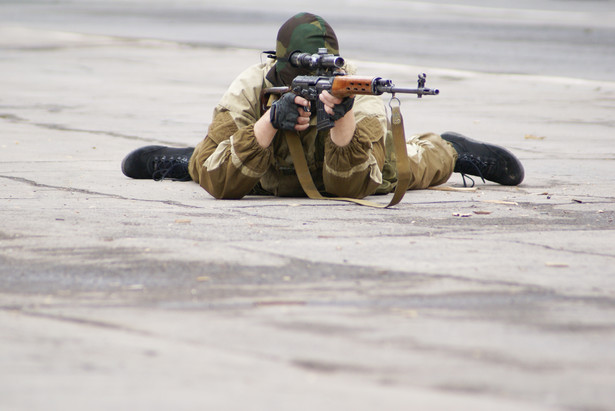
<point x="340" y="110"/>
<point x="284" y="112"/>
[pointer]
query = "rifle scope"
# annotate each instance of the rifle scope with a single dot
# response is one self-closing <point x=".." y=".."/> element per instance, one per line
<point x="320" y="60"/>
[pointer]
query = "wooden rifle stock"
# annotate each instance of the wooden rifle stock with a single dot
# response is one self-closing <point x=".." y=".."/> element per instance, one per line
<point x="344" y="86"/>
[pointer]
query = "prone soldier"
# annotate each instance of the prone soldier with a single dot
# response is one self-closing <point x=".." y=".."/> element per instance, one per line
<point x="245" y="152"/>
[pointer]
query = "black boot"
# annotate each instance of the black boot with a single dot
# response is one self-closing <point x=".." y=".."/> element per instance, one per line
<point x="487" y="161"/>
<point x="158" y="163"/>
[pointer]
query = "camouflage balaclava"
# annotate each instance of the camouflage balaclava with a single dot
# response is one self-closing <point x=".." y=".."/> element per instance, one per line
<point x="304" y="32"/>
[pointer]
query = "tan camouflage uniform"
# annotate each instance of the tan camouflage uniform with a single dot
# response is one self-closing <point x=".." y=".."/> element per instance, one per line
<point x="229" y="162"/>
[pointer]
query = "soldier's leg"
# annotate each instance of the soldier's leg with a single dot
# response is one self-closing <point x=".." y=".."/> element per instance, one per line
<point x="487" y="161"/>
<point x="158" y="163"/>
<point x="432" y="160"/>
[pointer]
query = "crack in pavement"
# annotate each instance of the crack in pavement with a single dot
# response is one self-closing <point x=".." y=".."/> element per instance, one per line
<point x="51" y="126"/>
<point x="95" y="193"/>
<point x="77" y="320"/>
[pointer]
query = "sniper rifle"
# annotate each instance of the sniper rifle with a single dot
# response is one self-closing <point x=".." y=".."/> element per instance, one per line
<point x="330" y="77"/>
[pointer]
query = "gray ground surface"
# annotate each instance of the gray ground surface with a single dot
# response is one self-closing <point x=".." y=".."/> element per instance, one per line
<point x="152" y="295"/>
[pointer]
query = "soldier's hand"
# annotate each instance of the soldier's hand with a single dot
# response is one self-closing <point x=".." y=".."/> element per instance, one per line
<point x="288" y="113"/>
<point x="303" y="121"/>
<point x="336" y="107"/>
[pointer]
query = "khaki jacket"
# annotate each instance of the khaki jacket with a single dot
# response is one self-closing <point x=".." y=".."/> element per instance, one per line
<point x="229" y="163"/>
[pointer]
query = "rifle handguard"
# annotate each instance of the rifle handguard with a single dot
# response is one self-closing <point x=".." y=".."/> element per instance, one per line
<point x="344" y="86"/>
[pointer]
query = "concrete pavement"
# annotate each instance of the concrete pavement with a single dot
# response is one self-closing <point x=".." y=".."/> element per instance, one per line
<point x="152" y="295"/>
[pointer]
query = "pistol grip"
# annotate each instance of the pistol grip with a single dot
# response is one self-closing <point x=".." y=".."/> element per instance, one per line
<point x="323" y="120"/>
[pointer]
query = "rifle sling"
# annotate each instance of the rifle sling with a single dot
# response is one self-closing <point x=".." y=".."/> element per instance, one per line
<point x="403" y="165"/>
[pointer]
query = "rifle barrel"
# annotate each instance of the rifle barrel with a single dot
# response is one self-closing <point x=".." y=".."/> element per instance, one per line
<point x="419" y="91"/>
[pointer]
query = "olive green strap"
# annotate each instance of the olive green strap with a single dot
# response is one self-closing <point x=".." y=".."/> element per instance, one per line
<point x="403" y="165"/>
<point x="401" y="153"/>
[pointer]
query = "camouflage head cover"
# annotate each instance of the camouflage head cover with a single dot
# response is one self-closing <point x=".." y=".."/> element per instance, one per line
<point x="303" y="32"/>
